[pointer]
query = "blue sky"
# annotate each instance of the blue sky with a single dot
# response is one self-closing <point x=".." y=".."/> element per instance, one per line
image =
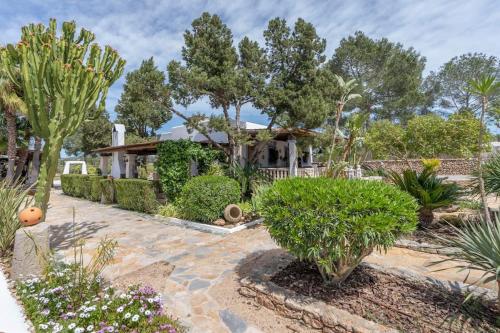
<point x="438" y="29"/>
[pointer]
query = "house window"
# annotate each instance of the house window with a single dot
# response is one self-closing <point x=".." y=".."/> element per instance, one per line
<point x="272" y="155"/>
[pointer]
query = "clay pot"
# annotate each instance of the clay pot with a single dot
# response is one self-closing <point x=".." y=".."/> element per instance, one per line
<point x="30" y="216"/>
<point x="233" y="213"/>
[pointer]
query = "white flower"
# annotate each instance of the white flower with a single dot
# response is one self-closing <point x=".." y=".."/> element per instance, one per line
<point x="123" y="296"/>
<point x="43" y="326"/>
<point x="127" y="315"/>
<point x="135" y="318"/>
<point x="106" y="296"/>
<point x="150" y="300"/>
<point x="120" y="309"/>
<point x="71" y="326"/>
<point x="141" y="310"/>
<point x="58" y="305"/>
<point x="90" y="328"/>
<point x="79" y="330"/>
<point x="104" y="307"/>
<point x="111" y="329"/>
<point x="147" y="313"/>
<point x="57" y="328"/>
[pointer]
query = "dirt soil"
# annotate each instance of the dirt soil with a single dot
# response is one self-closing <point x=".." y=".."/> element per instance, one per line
<point x="393" y="301"/>
<point x="429" y="235"/>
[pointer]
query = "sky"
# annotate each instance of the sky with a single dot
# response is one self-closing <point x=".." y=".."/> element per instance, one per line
<point x="438" y="29"/>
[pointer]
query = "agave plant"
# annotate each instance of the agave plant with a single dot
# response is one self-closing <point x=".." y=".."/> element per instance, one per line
<point x="491" y="177"/>
<point x="430" y="191"/>
<point x="478" y="245"/>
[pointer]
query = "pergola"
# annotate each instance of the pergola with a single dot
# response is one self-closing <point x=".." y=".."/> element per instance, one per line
<point x="124" y="156"/>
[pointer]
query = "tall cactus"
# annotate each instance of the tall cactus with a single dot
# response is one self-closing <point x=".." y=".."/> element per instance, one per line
<point x="65" y="80"/>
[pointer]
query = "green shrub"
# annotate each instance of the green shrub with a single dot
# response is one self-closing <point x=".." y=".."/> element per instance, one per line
<point x="335" y="223"/>
<point x="81" y="186"/>
<point x="430" y="191"/>
<point x="107" y="190"/>
<point x="136" y="194"/>
<point x="204" y="198"/>
<point x="12" y="199"/>
<point x="174" y="163"/>
<point x="74" y="185"/>
<point x="168" y="210"/>
<point x="93" y="188"/>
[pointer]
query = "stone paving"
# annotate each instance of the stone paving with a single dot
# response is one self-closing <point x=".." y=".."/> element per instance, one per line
<point x="201" y="270"/>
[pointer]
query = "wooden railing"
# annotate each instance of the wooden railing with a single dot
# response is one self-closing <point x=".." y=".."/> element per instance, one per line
<point x="280" y="173"/>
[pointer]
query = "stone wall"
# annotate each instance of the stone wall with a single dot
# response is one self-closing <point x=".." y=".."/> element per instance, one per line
<point x="450" y="166"/>
<point x="311" y="312"/>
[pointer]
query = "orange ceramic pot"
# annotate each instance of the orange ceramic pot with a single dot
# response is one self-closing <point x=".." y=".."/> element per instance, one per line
<point x="30" y="216"/>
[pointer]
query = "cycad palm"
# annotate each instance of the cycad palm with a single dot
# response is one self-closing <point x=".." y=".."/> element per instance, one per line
<point x="430" y="191"/>
<point x="483" y="88"/>
<point x="10" y="103"/>
<point x="346" y="95"/>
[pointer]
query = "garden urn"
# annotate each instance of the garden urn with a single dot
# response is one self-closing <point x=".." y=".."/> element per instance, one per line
<point x="30" y="216"/>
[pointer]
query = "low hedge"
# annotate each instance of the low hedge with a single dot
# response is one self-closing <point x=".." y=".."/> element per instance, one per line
<point x="93" y="188"/>
<point x="74" y="185"/>
<point x="204" y="198"/>
<point x="107" y="191"/>
<point x="82" y="186"/>
<point x="335" y="223"/>
<point x="136" y="194"/>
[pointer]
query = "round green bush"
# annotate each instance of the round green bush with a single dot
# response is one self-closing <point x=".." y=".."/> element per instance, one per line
<point x="204" y="198"/>
<point x="335" y="223"/>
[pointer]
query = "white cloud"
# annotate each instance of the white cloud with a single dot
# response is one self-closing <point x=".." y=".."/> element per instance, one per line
<point x="438" y="29"/>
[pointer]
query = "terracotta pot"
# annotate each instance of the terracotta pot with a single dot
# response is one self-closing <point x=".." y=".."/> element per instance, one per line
<point x="30" y="216"/>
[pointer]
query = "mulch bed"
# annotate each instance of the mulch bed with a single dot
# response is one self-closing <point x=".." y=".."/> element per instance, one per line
<point x="393" y="301"/>
<point x="429" y="235"/>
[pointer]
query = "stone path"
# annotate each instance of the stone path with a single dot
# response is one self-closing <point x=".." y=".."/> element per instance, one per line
<point x="196" y="272"/>
<point x="11" y="319"/>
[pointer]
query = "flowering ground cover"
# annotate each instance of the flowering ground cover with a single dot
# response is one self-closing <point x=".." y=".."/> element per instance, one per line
<point x="63" y="301"/>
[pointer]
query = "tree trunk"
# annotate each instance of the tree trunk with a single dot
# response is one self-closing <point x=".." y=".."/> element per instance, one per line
<point x="340" y="106"/>
<point x="342" y="268"/>
<point x="48" y="169"/>
<point x="20" y="165"/>
<point x="479" y="161"/>
<point x="425" y="216"/>
<point x="35" y="163"/>
<point x="10" y="119"/>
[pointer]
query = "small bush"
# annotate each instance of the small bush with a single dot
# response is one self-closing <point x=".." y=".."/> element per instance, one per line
<point x="168" y="210"/>
<point x="204" y="198"/>
<point x="107" y="190"/>
<point x="74" y="185"/>
<point x="136" y="194"/>
<point x="335" y="223"/>
<point x="12" y="199"/>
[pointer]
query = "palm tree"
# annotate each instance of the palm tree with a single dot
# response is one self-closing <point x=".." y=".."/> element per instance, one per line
<point x="430" y="191"/>
<point x="483" y="88"/>
<point x="346" y="95"/>
<point x="10" y="104"/>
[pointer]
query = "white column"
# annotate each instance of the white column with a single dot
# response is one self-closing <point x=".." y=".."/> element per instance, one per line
<point x="310" y="156"/>
<point x="130" y="165"/>
<point x="103" y="165"/>
<point x="243" y="155"/>
<point x="118" y="165"/>
<point x="292" y="157"/>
